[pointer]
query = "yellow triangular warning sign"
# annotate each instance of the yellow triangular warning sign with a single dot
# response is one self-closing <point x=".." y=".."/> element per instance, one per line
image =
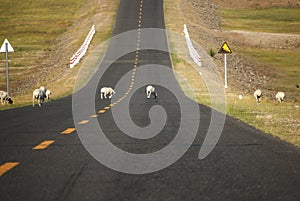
<point x="225" y="49"/>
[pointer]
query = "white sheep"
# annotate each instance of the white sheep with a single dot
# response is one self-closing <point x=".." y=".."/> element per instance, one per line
<point x="48" y="94"/>
<point x="40" y="95"/>
<point x="257" y="95"/>
<point x="5" y="97"/>
<point x="151" y="90"/>
<point x="107" y="92"/>
<point x="43" y="88"/>
<point x="280" y="96"/>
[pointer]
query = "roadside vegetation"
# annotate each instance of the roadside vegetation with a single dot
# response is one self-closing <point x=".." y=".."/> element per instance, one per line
<point x="271" y="20"/>
<point x="45" y="34"/>
<point x="265" y="41"/>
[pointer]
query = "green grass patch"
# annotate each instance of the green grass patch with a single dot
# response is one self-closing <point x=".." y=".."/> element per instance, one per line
<point x="44" y="35"/>
<point x="35" y="24"/>
<point x="284" y="64"/>
<point x="273" y="20"/>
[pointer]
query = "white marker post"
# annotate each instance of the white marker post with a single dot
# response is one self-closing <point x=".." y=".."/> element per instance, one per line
<point x="6" y="47"/>
<point x="225" y="50"/>
<point x="225" y="71"/>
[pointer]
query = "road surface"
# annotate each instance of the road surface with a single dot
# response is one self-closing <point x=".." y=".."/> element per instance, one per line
<point x="245" y="164"/>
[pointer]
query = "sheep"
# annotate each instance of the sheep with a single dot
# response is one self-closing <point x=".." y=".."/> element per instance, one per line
<point x="257" y="95"/>
<point x="48" y="94"/>
<point x="43" y="88"/>
<point x="280" y="96"/>
<point x="150" y="90"/>
<point x="107" y="92"/>
<point x="5" y="98"/>
<point x="40" y="95"/>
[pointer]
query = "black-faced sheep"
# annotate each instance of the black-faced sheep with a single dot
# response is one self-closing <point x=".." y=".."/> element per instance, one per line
<point x="151" y="90"/>
<point x="257" y="95"/>
<point x="280" y="96"/>
<point x="40" y="95"/>
<point x="107" y="92"/>
<point x="5" y="97"/>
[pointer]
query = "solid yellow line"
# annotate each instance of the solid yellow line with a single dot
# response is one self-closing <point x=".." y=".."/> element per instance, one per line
<point x="43" y="145"/>
<point x="68" y="131"/>
<point x="7" y="166"/>
<point x="83" y="122"/>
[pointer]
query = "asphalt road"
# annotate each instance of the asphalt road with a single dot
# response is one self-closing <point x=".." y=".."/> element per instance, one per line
<point x="245" y="164"/>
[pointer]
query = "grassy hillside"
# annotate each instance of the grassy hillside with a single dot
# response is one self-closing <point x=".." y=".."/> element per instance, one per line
<point x="272" y="20"/>
<point x="32" y="28"/>
<point x="45" y="34"/>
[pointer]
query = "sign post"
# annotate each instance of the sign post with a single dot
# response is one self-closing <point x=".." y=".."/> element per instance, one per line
<point x="6" y="47"/>
<point x="225" y="50"/>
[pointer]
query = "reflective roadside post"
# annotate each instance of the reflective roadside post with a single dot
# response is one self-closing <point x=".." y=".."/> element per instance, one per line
<point x="6" y="47"/>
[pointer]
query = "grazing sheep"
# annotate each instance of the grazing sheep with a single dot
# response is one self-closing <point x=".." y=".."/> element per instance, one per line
<point x="151" y="90"/>
<point x="5" y="97"/>
<point x="257" y="95"/>
<point x="280" y="96"/>
<point x="43" y="88"/>
<point x="107" y="92"/>
<point x="40" y="95"/>
<point x="48" y="94"/>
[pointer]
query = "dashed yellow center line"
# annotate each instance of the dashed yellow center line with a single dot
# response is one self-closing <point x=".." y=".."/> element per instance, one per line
<point x="94" y="116"/>
<point x="68" y="131"/>
<point x="7" y="166"/>
<point x="136" y="61"/>
<point x="43" y="145"/>
<point x="101" y="111"/>
<point x="83" y="122"/>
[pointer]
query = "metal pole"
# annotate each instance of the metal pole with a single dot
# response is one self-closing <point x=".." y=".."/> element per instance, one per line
<point x="7" y="75"/>
<point x="225" y="69"/>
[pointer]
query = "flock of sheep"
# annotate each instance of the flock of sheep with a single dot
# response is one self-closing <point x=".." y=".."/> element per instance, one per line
<point x="42" y="93"/>
<point x="39" y="94"/>
<point x="279" y="96"/>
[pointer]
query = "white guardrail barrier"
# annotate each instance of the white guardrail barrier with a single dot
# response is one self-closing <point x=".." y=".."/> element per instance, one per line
<point x="83" y="48"/>
<point x="193" y="52"/>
